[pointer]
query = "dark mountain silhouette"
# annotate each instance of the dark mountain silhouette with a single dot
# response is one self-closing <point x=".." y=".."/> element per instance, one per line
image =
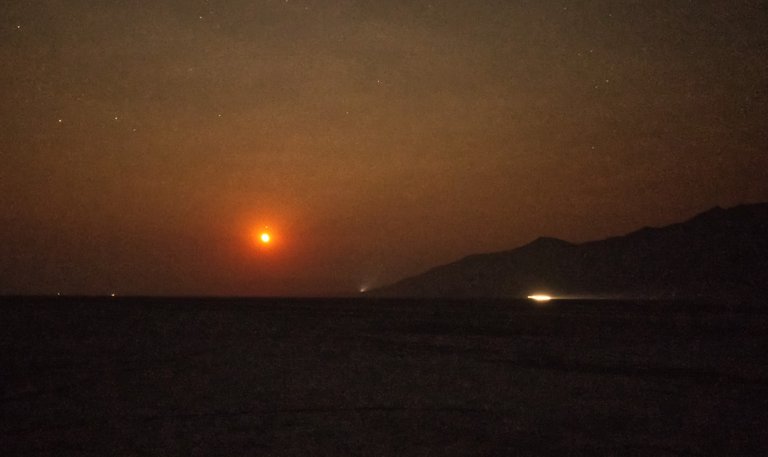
<point x="717" y="254"/>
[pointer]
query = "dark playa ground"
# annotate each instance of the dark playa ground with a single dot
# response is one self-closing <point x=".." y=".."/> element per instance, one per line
<point x="364" y="377"/>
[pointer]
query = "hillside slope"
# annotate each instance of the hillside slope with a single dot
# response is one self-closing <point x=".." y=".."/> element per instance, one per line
<point x="719" y="253"/>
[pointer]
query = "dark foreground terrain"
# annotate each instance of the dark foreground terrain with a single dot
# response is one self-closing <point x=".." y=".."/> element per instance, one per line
<point x="381" y="377"/>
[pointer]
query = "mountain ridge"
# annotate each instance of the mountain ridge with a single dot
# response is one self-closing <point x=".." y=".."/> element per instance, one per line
<point x="717" y="253"/>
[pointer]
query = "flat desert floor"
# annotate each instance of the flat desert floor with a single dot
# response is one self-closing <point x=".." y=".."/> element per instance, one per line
<point x="225" y="377"/>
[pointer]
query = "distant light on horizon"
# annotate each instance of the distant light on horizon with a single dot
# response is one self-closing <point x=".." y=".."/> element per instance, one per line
<point x="540" y="297"/>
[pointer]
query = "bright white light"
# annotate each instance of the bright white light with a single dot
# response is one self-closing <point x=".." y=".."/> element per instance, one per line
<point x="363" y="289"/>
<point x="540" y="297"/>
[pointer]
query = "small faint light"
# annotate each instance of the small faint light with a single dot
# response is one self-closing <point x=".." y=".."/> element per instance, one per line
<point x="363" y="289"/>
<point x="61" y="120"/>
<point x="540" y="297"/>
<point x="112" y="295"/>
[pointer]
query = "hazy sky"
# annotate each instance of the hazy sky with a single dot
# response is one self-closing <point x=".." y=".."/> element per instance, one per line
<point x="142" y="143"/>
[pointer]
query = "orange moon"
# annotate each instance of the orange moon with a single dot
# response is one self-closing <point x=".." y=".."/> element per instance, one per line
<point x="263" y="237"/>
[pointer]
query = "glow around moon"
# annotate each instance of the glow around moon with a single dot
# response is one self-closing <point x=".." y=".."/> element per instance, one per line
<point x="263" y="237"/>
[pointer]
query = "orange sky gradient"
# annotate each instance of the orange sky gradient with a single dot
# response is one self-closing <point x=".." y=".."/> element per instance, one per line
<point x="142" y="147"/>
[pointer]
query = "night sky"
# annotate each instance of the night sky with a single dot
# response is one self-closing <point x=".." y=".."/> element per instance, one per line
<point x="143" y="145"/>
